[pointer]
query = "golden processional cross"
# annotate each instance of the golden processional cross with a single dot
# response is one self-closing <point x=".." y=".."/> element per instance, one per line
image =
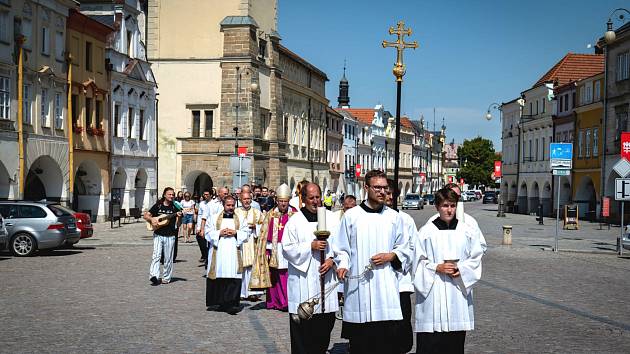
<point x="400" y="45"/>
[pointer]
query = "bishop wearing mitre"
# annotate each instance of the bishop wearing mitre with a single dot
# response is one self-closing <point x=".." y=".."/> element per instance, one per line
<point x="270" y="267"/>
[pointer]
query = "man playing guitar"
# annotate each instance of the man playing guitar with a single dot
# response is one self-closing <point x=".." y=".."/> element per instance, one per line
<point x="163" y="237"/>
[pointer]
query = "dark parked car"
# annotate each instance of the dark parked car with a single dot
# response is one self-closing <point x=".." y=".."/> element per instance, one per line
<point x="413" y="201"/>
<point x="490" y="197"/>
<point x="33" y="226"/>
<point x="429" y="198"/>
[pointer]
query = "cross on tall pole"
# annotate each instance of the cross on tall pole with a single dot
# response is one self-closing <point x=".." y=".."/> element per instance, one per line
<point x="399" y="71"/>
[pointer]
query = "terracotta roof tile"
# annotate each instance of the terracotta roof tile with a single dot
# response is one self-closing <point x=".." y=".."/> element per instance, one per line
<point x="364" y="115"/>
<point x="573" y="67"/>
<point x="405" y="122"/>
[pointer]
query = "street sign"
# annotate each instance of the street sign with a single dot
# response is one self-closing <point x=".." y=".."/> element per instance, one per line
<point x="423" y="177"/>
<point x="242" y="151"/>
<point x="358" y="170"/>
<point x="622" y="189"/>
<point x="606" y="207"/>
<point x="561" y="155"/>
<point x="622" y="167"/>
<point x="561" y="172"/>
<point x="625" y="145"/>
<point x="497" y="169"/>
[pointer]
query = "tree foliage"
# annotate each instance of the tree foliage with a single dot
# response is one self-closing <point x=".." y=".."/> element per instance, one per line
<point x="476" y="158"/>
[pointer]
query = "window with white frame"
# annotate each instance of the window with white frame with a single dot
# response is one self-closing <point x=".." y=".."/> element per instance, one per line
<point x="595" y="142"/>
<point x="58" y="111"/>
<point x="623" y="66"/>
<point x="589" y="92"/>
<point x="587" y="137"/>
<point x="26" y="104"/>
<point x="59" y="46"/>
<point x="45" y="41"/>
<point x="5" y="98"/>
<point x="44" y="108"/>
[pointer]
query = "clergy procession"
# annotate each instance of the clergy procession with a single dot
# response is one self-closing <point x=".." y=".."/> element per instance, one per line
<point x="365" y="264"/>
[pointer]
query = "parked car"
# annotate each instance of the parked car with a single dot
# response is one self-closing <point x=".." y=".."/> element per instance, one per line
<point x="33" y="226"/>
<point x="84" y="222"/>
<point x="413" y="201"/>
<point x="4" y="237"/>
<point x="490" y="197"/>
<point x="429" y="198"/>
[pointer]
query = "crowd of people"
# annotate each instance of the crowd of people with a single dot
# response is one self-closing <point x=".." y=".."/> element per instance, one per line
<point x="291" y="247"/>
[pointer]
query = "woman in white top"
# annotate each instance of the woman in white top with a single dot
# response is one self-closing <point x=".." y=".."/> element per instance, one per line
<point x="188" y="216"/>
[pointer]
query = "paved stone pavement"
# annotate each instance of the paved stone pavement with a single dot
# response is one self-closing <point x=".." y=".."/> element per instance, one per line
<point x="97" y="298"/>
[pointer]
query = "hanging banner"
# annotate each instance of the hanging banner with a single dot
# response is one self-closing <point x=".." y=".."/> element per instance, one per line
<point x="358" y="170"/>
<point x="497" y="169"/>
<point x="625" y="145"/>
<point x="423" y="177"/>
<point x="606" y="207"/>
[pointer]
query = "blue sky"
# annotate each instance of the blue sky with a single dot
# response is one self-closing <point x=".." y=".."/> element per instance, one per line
<point x="472" y="53"/>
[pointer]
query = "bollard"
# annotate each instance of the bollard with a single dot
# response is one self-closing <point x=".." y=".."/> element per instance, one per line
<point x="501" y="211"/>
<point x="507" y="235"/>
<point x="540" y="214"/>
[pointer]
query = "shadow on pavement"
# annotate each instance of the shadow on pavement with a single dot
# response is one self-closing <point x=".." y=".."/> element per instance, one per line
<point x="259" y="306"/>
<point x="4" y="258"/>
<point x="540" y="245"/>
<point x="56" y="253"/>
<point x="176" y="279"/>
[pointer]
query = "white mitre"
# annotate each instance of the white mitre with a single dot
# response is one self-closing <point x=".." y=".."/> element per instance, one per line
<point x="283" y="192"/>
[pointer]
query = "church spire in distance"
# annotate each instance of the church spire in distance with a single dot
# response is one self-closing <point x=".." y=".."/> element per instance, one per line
<point x="344" y="87"/>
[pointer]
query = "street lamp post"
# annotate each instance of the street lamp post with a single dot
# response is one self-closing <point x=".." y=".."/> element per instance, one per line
<point x="254" y="89"/>
<point x="488" y="116"/>
<point x="399" y="71"/>
<point x="610" y="37"/>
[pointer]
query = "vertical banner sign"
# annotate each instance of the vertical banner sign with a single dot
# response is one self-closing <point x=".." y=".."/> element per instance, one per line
<point x="358" y="170"/>
<point x="242" y="151"/>
<point x="461" y="181"/>
<point x="606" y="207"/>
<point x="497" y="169"/>
<point x="423" y="177"/>
<point x="625" y="145"/>
<point x="450" y="179"/>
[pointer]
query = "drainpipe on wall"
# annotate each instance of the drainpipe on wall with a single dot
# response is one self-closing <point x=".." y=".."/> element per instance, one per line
<point x="70" y="133"/>
<point x="108" y="70"/>
<point x="20" y="42"/>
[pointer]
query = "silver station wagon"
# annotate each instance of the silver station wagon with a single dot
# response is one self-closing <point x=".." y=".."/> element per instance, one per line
<point x="33" y="226"/>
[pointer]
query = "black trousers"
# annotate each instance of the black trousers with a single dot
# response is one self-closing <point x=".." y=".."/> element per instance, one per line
<point x="405" y="340"/>
<point x="203" y="246"/>
<point x="374" y="337"/>
<point x="441" y="342"/>
<point x="311" y="336"/>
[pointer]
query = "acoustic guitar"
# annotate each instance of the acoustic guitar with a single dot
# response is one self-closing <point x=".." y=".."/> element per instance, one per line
<point x="164" y="219"/>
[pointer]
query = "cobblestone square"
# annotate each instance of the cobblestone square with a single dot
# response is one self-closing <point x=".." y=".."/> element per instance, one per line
<point x="97" y="298"/>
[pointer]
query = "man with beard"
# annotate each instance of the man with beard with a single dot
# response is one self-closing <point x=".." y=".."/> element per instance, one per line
<point x="372" y="235"/>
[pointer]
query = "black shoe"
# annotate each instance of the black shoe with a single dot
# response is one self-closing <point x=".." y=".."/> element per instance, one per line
<point x="155" y="281"/>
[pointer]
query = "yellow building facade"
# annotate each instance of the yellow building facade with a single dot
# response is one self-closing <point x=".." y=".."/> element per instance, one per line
<point x="587" y="154"/>
<point x="86" y="42"/>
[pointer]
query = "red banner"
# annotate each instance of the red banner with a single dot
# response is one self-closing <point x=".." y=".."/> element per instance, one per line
<point x="497" y="169"/>
<point x="450" y="179"/>
<point x="242" y="151"/>
<point x="461" y="181"/>
<point x="606" y="207"/>
<point x="423" y="177"/>
<point x="625" y="145"/>
<point x="358" y="170"/>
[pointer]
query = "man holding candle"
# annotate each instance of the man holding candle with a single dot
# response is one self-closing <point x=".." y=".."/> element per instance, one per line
<point x="446" y="265"/>
<point x="372" y="234"/>
<point x="307" y="270"/>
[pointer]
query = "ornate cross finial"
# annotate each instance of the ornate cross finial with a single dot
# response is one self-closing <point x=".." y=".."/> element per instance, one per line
<point x="400" y="45"/>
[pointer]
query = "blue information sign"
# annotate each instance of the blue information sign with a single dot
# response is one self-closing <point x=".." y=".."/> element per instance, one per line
<point x="562" y="151"/>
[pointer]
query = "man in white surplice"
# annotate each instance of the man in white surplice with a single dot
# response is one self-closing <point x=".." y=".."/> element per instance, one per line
<point x="372" y="233"/>
<point x="302" y="250"/>
<point x="253" y="218"/>
<point x="446" y="265"/>
<point x="224" y="273"/>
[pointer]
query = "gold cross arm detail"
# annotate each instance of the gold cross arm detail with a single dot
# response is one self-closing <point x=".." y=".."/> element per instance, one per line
<point x="400" y="45"/>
